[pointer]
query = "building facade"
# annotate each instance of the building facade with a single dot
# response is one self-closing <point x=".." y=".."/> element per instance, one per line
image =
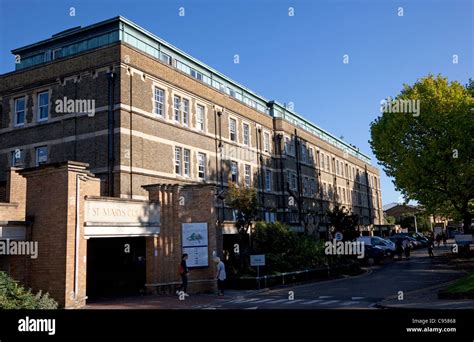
<point x="140" y="111"/>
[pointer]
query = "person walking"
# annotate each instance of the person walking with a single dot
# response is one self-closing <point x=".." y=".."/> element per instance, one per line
<point x="220" y="276"/>
<point x="399" y="248"/>
<point x="438" y="239"/>
<point x="184" y="273"/>
<point x="430" y="248"/>
<point x="444" y="239"/>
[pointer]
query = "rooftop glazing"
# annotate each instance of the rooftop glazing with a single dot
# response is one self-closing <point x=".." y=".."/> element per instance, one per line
<point x="80" y="39"/>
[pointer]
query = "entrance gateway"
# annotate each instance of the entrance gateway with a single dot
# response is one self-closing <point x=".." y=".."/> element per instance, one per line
<point x="115" y="230"/>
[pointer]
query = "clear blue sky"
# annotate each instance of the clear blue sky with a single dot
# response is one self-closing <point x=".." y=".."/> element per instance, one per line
<point x="295" y="59"/>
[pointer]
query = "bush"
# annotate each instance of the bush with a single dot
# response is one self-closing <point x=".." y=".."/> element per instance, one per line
<point x="14" y="296"/>
<point x="285" y="250"/>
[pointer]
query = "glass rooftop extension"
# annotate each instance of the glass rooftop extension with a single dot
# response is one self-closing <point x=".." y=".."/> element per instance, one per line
<point x="119" y="29"/>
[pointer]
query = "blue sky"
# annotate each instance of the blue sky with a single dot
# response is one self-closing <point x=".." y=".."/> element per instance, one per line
<point x="296" y="58"/>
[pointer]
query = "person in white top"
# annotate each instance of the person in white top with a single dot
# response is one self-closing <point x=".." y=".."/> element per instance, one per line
<point x="220" y="275"/>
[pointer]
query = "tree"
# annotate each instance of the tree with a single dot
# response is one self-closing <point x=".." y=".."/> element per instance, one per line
<point x="389" y="220"/>
<point x="341" y="220"/>
<point x="244" y="201"/>
<point x="429" y="155"/>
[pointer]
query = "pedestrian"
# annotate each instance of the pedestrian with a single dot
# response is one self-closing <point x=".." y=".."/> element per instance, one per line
<point x="399" y="248"/>
<point x="184" y="273"/>
<point x="444" y="239"/>
<point x="430" y="248"/>
<point x="438" y="239"/>
<point x="407" y="249"/>
<point x="220" y="275"/>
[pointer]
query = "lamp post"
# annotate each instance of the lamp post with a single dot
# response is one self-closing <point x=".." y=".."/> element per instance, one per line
<point x="416" y="227"/>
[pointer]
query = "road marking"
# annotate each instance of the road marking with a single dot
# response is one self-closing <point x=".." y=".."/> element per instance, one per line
<point x="262" y="301"/>
<point x="329" y="302"/>
<point x="274" y="301"/>
<point x="247" y="300"/>
<point x="324" y="297"/>
<point x="252" y="308"/>
<point x="293" y="301"/>
<point x="312" y="301"/>
<point x="357" y="298"/>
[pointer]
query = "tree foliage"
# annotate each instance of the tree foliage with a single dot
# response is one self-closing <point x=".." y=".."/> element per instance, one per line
<point x="341" y="220"/>
<point x="430" y="155"/>
<point x="244" y="201"/>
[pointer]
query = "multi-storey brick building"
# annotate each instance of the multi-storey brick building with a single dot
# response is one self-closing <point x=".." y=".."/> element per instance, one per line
<point x="157" y="115"/>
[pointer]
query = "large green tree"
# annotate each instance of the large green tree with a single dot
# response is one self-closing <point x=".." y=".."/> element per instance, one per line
<point x="430" y="154"/>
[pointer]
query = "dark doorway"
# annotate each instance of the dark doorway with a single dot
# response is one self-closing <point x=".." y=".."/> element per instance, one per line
<point x="115" y="267"/>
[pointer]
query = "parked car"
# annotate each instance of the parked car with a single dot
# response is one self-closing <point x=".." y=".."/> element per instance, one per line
<point x="420" y="238"/>
<point x="387" y="246"/>
<point x="373" y="254"/>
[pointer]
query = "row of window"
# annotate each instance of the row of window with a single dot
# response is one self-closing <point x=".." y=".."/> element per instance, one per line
<point x="42" y="109"/>
<point x="324" y="162"/>
<point x="234" y="175"/>
<point x="182" y="163"/>
<point x="41" y="156"/>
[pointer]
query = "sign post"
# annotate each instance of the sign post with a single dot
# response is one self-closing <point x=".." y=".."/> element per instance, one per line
<point x="257" y="260"/>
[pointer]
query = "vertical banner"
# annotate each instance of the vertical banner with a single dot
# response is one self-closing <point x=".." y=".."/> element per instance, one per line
<point x="195" y="243"/>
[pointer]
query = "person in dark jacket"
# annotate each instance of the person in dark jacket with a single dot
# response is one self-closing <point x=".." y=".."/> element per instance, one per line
<point x="430" y="248"/>
<point x="183" y="272"/>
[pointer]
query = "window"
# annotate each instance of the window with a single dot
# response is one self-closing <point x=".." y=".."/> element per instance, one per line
<point x="312" y="187"/>
<point x="247" y="175"/>
<point x="177" y="160"/>
<point x="305" y="186"/>
<point x="359" y="198"/>
<point x="200" y="118"/>
<point x="339" y="192"/>
<point x="327" y="163"/>
<point x="303" y="153"/>
<point x="233" y="129"/>
<point x="159" y="101"/>
<point x="201" y="165"/>
<point x="347" y="173"/>
<point x="266" y="142"/>
<point x="43" y="106"/>
<point x="311" y="155"/>
<point x="19" y="119"/>
<point x="245" y="134"/>
<point x="177" y="108"/>
<point x="268" y="180"/>
<point x="185" y="108"/>
<point x="16" y="157"/>
<point x="324" y="190"/>
<point x="294" y="184"/>
<point x="41" y="155"/>
<point x="337" y="167"/>
<point x="344" y="194"/>
<point x="166" y="58"/>
<point x="322" y="161"/>
<point x="234" y="171"/>
<point x="186" y="160"/>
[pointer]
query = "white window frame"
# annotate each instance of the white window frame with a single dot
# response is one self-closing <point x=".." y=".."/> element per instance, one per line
<point x="186" y="162"/>
<point x="15" y="115"/>
<point x="39" y="107"/>
<point x="266" y="141"/>
<point x="248" y="175"/>
<point x="185" y="112"/>
<point x="232" y="119"/>
<point x="303" y="153"/>
<point x="268" y="180"/>
<point x="234" y="171"/>
<point x="157" y="105"/>
<point x="178" y="167"/>
<point x="177" y="108"/>
<point x="14" y="161"/>
<point x="200" y="121"/>
<point x="202" y="160"/>
<point x="246" y="138"/>
<point x="37" y="150"/>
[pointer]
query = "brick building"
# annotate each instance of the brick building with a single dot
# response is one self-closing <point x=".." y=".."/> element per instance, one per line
<point x="161" y="116"/>
<point x="139" y="112"/>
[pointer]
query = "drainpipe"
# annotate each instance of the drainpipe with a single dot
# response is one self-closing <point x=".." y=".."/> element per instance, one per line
<point x="111" y="82"/>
